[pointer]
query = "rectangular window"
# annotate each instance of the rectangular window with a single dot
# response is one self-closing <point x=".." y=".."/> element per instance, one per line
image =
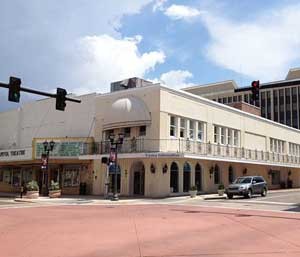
<point x="294" y="149"/>
<point x="182" y="127"/>
<point x="229" y="136"/>
<point x="235" y="138"/>
<point x="192" y="130"/>
<point x="234" y="98"/>
<point x="275" y="105"/>
<point x="281" y="106"/>
<point x="27" y="174"/>
<point x="277" y="146"/>
<point x="230" y="99"/>
<point x="222" y="136"/>
<point x="200" y="136"/>
<point x="263" y="104"/>
<point x="269" y="105"/>
<point x="172" y="126"/>
<point x="7" y="176"/>
<point x="16" y="178"/>
<point x="240" y="98"/>
<point x="142" y="131"/>
<point x="294" y="108"/>
<point x="271" y="145"/>
<point x="216" y="134"/>
<point x="71" y="176"/>
<point x="224" y="100"/>
<point x="246" y="98"/>
<point x="288" y="106"/>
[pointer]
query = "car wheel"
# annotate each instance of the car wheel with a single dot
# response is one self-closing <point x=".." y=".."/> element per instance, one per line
<point x="230" y="196"/>
<point x="264" y="192"/>
<point x="249" y="194"/>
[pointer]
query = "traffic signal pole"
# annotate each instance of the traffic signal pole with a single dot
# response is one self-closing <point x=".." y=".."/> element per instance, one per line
<point x="36" y="92"/>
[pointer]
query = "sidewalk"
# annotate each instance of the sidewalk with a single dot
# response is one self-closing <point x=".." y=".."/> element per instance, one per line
<point x="93" y="199"/>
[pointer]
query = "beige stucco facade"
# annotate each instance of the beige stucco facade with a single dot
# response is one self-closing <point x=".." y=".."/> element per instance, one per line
<point x="252" y="154"/>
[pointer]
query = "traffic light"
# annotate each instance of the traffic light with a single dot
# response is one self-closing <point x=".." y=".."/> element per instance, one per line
<point x="255" y="90"/>
<point x="14" y="89"/>
<point x="61" y="99"/>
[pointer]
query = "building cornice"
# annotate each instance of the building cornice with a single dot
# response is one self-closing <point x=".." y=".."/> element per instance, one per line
<point x="225" y="107"/>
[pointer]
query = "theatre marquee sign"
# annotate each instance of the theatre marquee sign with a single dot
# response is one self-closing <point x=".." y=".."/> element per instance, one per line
<point x="16" y="154"/>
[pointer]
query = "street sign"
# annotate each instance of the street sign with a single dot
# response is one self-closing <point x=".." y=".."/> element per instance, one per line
<point x="112" y="155"/>
<point x="44" y="161"/>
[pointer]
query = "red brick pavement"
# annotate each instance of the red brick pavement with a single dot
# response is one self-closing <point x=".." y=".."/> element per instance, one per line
<point x="147" y="230"/>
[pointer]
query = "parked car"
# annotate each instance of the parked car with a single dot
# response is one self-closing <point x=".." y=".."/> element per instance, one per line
<point x="247" y="186"/>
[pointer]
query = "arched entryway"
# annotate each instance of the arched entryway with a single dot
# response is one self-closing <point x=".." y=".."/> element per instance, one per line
<point x="138" y="178"/>
<point x="198" y="177"/>
<point x="112" y="175"/>
<point x="186" y="177"/>
<point x="174" y="177"/>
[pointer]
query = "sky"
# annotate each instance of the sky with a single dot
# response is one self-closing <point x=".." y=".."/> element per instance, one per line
<point x="83" y="46"/>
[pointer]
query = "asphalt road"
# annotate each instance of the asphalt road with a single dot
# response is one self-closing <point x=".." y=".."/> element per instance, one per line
<point x="147" y="230"/>
<point x="274" y="201"/>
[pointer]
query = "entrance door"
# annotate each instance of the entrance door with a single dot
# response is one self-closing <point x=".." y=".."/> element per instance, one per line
<point x="198" y="177"/>
<point x="137" y="178"/>
<point x="138" y="183"/>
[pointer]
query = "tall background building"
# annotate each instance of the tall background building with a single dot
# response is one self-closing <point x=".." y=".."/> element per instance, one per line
<point x="278" y="100"/>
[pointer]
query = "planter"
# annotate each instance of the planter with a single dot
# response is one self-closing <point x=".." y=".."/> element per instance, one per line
<point x="32" y="194"/>
<point x="193" y="193"/>
<point x="221" y="192"/>
<point x="54" y="193"/>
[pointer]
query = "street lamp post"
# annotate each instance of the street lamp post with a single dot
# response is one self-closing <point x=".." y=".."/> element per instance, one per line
<point x="114" y="143"/>
<point x="48" y="147"/>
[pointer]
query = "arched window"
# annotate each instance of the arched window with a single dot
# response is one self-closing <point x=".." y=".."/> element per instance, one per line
<point x="186" y="177"/>
<point x="198" y="177"/>
<point x="112" y="174"/>
<point x="174" y="177"/>
<point x="217" y="174"/>
<point x="230" y="174"/>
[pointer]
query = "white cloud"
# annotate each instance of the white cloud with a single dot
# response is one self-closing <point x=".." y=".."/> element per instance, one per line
<point x="181" y="12"/>
<point x="175" y="79"/>
<point x="104" y="59"/>
<point x="159" y="5"/>
<point x="264" y="48"/>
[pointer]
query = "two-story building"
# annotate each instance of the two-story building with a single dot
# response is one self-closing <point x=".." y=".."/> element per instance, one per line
<point x="175" y="139"/>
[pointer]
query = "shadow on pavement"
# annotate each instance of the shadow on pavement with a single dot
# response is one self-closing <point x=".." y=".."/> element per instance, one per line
<point x="295" y="208"/>
<point x="237" y="214"/>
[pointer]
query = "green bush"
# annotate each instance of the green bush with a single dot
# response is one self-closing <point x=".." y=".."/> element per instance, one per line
<point x="32" y="186"/>
<point x="221" y="187"/>
<point x="54" y="185"/>
<point x="193" y="188"/>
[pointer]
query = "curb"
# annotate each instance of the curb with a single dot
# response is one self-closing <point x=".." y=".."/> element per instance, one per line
<point x="23" y="201"/>
<point x="215" y="198"/>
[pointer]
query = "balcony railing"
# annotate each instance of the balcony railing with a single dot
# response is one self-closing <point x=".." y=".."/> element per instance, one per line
<point x="189" y="147"/>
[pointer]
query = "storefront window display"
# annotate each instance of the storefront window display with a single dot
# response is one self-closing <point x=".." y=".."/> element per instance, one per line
<point x="16" y="178"/>
<point x="71" y="176"/>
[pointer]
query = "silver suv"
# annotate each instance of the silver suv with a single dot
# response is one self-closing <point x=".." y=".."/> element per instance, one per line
<point x="247" y="186"/>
